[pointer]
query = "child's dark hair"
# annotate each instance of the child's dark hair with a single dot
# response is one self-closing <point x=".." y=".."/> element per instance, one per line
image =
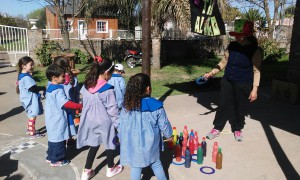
<point x="135" y="91"/>
<point x="23" y="61"/>
<point x="99" y="66"/>
<point x="54" y="70"/>
<point x="64" y="63"/>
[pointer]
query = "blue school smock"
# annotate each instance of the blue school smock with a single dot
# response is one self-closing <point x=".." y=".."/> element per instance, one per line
<point x="99" y="118"/>
<point x="140" y="133"/>
<point x="55" y="114"/>
<point x="30" y="101"/>
<point x="119" y="87"/>
<point x="70" y="93"/>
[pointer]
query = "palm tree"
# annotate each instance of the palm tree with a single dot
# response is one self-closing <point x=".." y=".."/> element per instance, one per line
<point x="252" y="15"/>
<point x="293" y="73"/>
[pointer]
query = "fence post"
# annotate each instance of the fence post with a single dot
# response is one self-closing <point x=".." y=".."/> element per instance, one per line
<point x="35" y="40"/>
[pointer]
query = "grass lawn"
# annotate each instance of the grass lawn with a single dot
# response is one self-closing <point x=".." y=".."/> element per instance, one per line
<point x="178" y="78"/>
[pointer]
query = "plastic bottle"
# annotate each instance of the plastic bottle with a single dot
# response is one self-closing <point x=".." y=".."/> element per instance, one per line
<point x="196" y="140"/>
<point x="199" y="155"/>
<point x="184" y="144"/>
<point x="174" y="136"/>
<point x="188" y="158"/>
<point x="77" y="117"/>
<point x="219" y="159"/>
<point x="215" y="152"/>
<point x="180" y="139"/>
<point x="185" y="132"/>
<point x="191" y="144"/>
<point x="204" y="146"/>
<point x="178" y="152"/>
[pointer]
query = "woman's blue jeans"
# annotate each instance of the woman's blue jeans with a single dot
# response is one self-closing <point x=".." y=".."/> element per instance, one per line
<point x="157" y="168"/>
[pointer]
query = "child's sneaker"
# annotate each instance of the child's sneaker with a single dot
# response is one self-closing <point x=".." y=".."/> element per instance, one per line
<point x="238" y="135"/>
<point x="60" y="163"/>
<point x="36" y="136"/>
<point x="116" y="169"/>
<point x="87" y="174"/>
<point x="36" y="132"/>
<point x="213" y="134"/>
<point x="48" y="161"/>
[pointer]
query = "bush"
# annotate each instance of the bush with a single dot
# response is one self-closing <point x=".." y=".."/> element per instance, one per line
<point x="44" y="52"/>
<point x="272" y="52"/>
<point x="81" y="57"/>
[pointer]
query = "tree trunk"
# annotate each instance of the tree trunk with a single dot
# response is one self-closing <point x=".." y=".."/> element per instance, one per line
<point x="156" y="44"/>
<point x="293" y="74"/>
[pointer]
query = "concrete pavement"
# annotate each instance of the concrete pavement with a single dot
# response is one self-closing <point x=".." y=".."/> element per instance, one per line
<point x="269" y="150"/>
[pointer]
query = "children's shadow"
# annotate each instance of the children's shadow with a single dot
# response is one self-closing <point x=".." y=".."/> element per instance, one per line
<point x="72" y="151"/>
<point x="42" y="130"/>
<point x="166" y="158"/>
<point x="103" y="163"/>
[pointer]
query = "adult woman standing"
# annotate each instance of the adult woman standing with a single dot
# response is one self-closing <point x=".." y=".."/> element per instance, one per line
<point x="241" y="79"/>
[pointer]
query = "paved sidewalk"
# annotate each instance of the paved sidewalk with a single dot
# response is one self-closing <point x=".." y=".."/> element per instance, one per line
<point x="269" y="150"/>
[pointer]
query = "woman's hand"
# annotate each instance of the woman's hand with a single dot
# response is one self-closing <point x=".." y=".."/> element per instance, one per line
<point x="253" y="94"/>
<point x="208" y="75"/>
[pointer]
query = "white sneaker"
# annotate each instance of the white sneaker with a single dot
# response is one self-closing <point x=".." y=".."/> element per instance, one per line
<point x="110" y="172"/>
<point x="87" y="174"/>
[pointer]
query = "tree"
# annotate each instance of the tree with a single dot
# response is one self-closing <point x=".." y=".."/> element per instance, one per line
<point x="265" y="6"/>
<point x="289" y="11"/>
<point x="8" y="21"/>
<point x="38" y="14"/>
<point x="252" y="15"/>
<point x="228" y="12"/>
<point x="293" y="73"/>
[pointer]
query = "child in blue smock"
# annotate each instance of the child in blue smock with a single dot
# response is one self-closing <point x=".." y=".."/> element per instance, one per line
<point x="29" y="94"/>
<point x="118" y="82"/>
<point x="99" y="117"/>
<point x="56" y="118"/>
<point x="143" y="121"/>
<point x="71" y="89"/>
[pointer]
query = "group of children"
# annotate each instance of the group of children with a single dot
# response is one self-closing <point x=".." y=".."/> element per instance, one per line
<point x="108" y="109"/>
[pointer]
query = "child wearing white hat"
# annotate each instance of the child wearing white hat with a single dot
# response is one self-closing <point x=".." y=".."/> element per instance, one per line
<point x="118" y="82"/>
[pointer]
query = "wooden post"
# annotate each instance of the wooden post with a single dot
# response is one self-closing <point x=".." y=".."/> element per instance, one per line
<point x="146" y="36"/>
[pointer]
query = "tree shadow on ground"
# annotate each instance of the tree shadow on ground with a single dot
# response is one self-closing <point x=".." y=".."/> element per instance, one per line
<point x="8" y="166"/>
<point x="265" y="110"/>
<point x="12" y="112"/>
<point x="42" y="130"/>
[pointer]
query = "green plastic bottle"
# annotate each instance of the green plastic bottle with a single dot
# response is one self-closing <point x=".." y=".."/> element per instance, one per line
<point x="199" y="155"/>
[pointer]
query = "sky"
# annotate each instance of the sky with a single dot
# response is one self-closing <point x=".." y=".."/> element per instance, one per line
<point x="20" y="7"/>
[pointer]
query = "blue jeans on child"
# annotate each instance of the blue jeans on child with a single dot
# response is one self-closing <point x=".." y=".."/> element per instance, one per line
<point x="56" y="151"/>
<point x="135" y="172"/>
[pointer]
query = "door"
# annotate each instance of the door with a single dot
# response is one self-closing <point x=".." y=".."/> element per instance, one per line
<point x="82" y="29"/>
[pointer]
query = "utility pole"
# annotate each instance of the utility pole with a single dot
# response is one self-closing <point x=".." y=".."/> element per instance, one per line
<point x="146" y="36"/>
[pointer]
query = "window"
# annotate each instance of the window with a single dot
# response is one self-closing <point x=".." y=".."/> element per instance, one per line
<point x="102" y="26"/>
<point x="69" y="25"/>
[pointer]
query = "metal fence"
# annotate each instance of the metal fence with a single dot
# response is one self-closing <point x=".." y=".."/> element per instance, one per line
<point x="13" y="44"/>
<point x="81" y="34"/>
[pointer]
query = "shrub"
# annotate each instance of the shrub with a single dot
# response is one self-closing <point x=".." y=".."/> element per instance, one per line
<point x="272" y="52"/>
<point x="44" y="52"/>
<point x="81" y="57"/>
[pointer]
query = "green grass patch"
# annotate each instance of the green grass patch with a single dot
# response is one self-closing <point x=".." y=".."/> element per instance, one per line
<point x="175" y="79"/>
